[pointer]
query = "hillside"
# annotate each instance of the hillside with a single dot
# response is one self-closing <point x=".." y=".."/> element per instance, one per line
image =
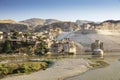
<point x="106" y="25"/>
<point x="110" y="39"/>
<point x="64" y="26"/>
<point x="7" y="27"/>
<point x="37" y="21"/>
<point x="7" y="21"/>
<point x="38" y="25"/>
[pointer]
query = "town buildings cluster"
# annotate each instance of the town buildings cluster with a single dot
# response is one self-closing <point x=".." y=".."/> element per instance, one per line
<point x="32" y="39"/>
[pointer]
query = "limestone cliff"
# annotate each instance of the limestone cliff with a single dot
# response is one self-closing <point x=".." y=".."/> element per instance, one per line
<point x="110" y="25"/>
<point x="106" y="25"/>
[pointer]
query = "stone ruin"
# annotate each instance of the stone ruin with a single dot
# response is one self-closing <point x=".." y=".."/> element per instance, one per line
<point x="97" y="48"/>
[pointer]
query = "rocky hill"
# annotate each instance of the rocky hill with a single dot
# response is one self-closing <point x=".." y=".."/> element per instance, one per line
<point x="6" y="27"/>
<point x="64" y="26"/>
<point x="110" y="25"/>
<point x="106" y="25"/>
<point x="37" y="21"/>
<point x="38" y="24"/>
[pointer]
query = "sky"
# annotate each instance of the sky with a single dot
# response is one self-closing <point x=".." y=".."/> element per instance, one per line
<point x="67" y="10"/>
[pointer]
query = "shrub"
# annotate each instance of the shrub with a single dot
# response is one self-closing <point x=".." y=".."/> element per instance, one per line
<point x="98" y="63"/>
<point x="26" y="67"/>
<point x="35" y="67"/>
<point x="7" y="68"/>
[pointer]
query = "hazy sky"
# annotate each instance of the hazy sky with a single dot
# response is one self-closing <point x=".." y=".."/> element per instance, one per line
<point x="95" y="10"/>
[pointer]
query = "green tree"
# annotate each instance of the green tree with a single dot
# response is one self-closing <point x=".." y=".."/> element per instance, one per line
<point x="7" y="47"/>
<point x="42" y="47"/>
<point x="26" y="36"/>
<point x="15" y="34"/>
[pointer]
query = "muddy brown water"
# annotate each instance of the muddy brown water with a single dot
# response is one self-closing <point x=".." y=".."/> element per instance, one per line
<point x="111" y="72"/>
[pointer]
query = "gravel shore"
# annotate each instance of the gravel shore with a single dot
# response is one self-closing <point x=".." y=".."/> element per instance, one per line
<point x="61" y="69"/>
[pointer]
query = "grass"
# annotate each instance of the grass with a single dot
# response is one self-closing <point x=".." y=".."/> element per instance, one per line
<point x="17" y="57"/>
<point x="23" y="67"/>
<point x="98" y="63"/>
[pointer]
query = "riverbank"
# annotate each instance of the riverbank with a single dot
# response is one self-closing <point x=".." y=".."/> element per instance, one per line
<point x="111" y="72"/>
<point x="61" y="69"/>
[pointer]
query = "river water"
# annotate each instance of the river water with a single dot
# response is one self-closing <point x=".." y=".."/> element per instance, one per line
<point x="111" y="72"/>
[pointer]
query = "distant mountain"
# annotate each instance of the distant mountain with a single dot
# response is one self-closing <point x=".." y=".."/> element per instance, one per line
<point x="7" y="21"/>
<point x="37" y="21"/>
<point x="50" y="21"/>
<point x="81" y="22"/>
<point x="64" y="26"/>
<point x="38" y="24"/>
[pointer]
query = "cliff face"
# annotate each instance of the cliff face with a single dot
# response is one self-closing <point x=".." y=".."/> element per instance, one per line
<point x="106" y="25"/>
<point x="7" y="27"/>
<point x="110" y="25"/>
<point x="64" y="26"/>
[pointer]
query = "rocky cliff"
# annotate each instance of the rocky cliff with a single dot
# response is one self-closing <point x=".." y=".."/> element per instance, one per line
<point x="110" y="25"/>
<point x="64" y="26"/>
<point x="106" y="25"/>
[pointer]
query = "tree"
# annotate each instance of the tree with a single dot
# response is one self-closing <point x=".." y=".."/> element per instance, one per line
<point x="7" y="47"/>
<point x="15" y="34"/>
<point x="26" y="36"/>
<point x="42" y="47"/>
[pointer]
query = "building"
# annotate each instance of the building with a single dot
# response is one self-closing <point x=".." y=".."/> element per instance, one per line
<point x="64" y="46"/>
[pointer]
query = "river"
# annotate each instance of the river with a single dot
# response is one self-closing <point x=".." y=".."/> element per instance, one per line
<point x="111" y="72"/>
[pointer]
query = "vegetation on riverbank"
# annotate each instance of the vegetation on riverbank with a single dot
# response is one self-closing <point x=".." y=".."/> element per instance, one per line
<point x="23" y="67"/>
<point x="25" y="57"/>
<point x="98" y="63"/>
